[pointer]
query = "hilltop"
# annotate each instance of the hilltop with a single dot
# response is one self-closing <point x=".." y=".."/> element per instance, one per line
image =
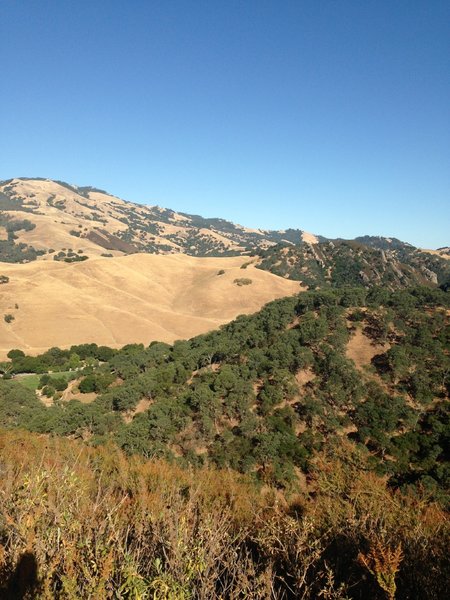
<point x="305" y="446"/>
<point x="52" y="217"/>
<point x="364" y="261"/>
<point x="78" y="264"/>
<point x="53" y="220"/>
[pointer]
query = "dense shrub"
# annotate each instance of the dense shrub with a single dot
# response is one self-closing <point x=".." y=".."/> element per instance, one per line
<point x="93" y="523"/>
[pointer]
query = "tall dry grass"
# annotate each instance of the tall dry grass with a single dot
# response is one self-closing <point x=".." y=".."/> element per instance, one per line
<point x="80" y="522"/>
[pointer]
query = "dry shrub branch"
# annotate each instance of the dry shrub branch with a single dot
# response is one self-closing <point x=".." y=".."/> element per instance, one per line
<point x="80" y="522"/>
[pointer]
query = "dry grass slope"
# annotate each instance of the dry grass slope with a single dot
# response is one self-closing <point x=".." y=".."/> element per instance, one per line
<point x="137" y="298"/>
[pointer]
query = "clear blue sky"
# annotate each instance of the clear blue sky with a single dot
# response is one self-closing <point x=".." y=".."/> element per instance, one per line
<point x="326" y="115"/>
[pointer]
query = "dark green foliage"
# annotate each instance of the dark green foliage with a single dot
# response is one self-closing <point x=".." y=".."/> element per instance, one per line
<point x="15" y="353"/>
<point x="10" y="250"/>
<point x="59" y="383"/>
<point x="7" y="203"/>
<point x="366" y="262"/>
<point x="340" y="382"/>
<point x="96" y="382"/>
<point x="44" y="380"/>
<point x="70" y="256"/>
<point x="18" y="225"/>
<point x="56" y="359"/>
<point x="379" y="416"/>
<point x="48" y="391"/>
<point x="232" y="397"/>
<point x="11" y="202"/>
<point x="52" y="382"/>
<point x="18" y="405"/>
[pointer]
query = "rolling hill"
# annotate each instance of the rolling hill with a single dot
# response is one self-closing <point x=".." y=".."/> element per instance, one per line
<point x="137" y="298"/>
<point x="91" y="222"/>
<point x="78" y="264"/>
<point x="265" y="392"/>
<point x="304" y="443"/>
<point x="52" y="220"/>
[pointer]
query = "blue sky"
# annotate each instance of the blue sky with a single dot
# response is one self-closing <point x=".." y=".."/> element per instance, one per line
<point x="330" y="116"/>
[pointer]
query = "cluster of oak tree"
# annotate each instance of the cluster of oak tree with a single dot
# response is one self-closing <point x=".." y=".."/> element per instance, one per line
<point x="232" y="397"/>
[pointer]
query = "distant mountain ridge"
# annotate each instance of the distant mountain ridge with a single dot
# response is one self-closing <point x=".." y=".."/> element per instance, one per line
<point x="90" y="219"/>
<point x="53" y="220"/>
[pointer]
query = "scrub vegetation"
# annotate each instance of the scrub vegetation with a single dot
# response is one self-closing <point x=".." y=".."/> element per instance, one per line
<point x="257" y="461"/>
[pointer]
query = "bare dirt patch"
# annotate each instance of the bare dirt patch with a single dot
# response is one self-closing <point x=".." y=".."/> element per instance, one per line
<point x="361" y="349"/>
<point x="310" y="238"/>
<point x="72" y="393"/>
<point x="141" y="407"/>
<point x="304" y="376"/>
<point x="46" y="401"/>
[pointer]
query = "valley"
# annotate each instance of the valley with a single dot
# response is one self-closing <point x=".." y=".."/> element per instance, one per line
<point x="284" y="394"/>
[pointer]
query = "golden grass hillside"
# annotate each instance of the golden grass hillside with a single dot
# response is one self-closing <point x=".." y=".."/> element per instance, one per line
<point x="136" y="298"/>
<point x="92" y="222"/>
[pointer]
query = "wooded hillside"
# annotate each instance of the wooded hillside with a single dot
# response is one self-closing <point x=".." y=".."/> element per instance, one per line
<point x="265" y="393"/>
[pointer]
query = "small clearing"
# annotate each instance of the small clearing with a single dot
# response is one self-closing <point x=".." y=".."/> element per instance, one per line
<point x="141" y="406"/>
<point x="304" y="376"/>
<point x="72" y="393"/>
<point x="361" y="349"/>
